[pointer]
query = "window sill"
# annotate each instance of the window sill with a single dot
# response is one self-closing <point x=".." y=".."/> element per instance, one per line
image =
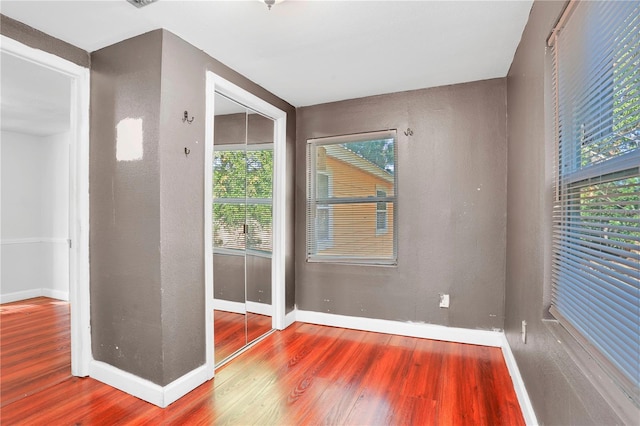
<point x="354" y="262"/>
<point x="620" y="402"/>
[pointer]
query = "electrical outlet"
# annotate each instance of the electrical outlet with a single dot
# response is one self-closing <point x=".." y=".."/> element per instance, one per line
<point x="444" y="300"/>
<point x="524" y="331"/>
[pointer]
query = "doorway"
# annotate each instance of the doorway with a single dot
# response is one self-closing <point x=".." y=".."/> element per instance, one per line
<point x="34" y="143"/>
<point x="45" y="181"/>
<point x="242" y="226"/>
<point x="244" y="241"/>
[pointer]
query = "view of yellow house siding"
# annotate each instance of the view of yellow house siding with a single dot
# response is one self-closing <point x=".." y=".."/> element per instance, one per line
<point x="354" y="225"/>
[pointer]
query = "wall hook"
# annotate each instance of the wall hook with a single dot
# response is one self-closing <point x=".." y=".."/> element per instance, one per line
<point x="408" y="132"/>
<point x="187" y="151"/>
<point x="185" y="118"/>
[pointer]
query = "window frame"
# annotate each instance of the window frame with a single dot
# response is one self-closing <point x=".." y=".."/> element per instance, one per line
<point x="566" y="179"/>
<point x="311" y="206"/>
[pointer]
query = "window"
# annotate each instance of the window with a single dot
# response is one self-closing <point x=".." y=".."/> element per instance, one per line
<point x="351" y="199"/>
<point x="596" y="235"/>
<point x="242" y="203"/>
<point x="323" y="212"/>
<point x="381" y="212"/>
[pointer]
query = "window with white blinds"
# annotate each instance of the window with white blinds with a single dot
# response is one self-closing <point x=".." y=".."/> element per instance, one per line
<point x="596" y="231"/>
<point x="351" y="199"/>
<point x="242" y="198"/>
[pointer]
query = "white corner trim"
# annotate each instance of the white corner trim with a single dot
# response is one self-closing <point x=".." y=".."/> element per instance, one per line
<point x="127" y="382"/>
<point x="259" y="308"/>
<point x="20" y="295"/>
<point x="229" y="306"/>
<point x="518" y="384"/>
<point x="290" y="318"/>
<point x="185" y="384"/>
<point x="145" y="389"/>
<point x="411" y="329"/>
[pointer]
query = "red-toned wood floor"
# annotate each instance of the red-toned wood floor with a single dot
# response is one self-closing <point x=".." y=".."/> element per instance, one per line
<point x="231" y="333"/>
<point x="306" y="374"/>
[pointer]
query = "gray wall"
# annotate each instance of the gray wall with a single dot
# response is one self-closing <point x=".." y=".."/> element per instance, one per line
<point x="125" y="245"/>
<point x="451" y="208"/>
<point x="147" y="224"/>
<point x="39" y="40"/>
<point x="559" y="391"/>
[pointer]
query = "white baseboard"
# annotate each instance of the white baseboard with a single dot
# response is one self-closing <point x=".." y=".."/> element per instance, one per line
<point x="34" y="292"/>
<point x="429" y="331"/>
<point x="20" y="295"/>
<point x="518" y="384"/>
<point x="144" y="389"/>
<point x="259" y="308"/>
<point x="422" y="330"/>
<point x="229" y="306"/>
<point x="185" y="384"/>
<point x="56" y="294"/>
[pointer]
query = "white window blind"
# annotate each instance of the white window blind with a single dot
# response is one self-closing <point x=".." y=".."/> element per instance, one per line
<point x="351" y="198"/>
<point x="596" y="234"/>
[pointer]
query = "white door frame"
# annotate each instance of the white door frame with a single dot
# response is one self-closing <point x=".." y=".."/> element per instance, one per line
<point x="218" y="84"/>
<point x="78" y="195"/>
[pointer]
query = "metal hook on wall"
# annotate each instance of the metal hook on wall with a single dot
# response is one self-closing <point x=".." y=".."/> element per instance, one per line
<point x="185" y="118"/>
<point x="187" y="151"/>
<point x="408" y="132"/>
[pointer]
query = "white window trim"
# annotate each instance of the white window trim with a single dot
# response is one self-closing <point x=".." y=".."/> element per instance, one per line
<point x="311" y="187"/>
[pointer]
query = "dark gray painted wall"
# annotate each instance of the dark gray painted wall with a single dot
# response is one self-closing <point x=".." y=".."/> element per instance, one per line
<point x="228" y="278"/>
<point x="147" y="223"/>
<point x="126" y="310"/>
<point x="559" y="391"/>
<point x="39" y="40"/>
<point x="451" y="208"/>
<point x="258" y="279"/>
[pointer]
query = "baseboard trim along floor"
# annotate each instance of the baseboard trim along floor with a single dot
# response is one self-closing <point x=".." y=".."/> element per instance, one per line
<point x="430" y="331"/>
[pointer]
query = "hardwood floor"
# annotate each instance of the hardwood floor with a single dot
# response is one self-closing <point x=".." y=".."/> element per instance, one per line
<point x="35" y="350"/>
<point x="306" y="374"/>
<point x="231" y="333"/>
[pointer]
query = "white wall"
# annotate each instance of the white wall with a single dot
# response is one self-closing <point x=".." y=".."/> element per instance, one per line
<point x="34" y="224"/>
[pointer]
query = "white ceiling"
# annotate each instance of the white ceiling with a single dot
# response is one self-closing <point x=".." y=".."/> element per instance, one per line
<point x="33" y="99"/>
<point x="310" y="52"/>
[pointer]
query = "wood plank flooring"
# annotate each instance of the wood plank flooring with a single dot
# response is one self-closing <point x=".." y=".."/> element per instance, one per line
<point x="232" y="333"/>
<point x="306" y="374"/>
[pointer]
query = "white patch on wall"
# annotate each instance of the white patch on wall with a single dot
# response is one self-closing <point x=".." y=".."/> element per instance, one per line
<point x="129" y="139"/>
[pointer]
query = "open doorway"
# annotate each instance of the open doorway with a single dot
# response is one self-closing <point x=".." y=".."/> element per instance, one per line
<point x="35" y="130"/>
<point x="44" y="152"/>
<point x="34" y="144"/>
